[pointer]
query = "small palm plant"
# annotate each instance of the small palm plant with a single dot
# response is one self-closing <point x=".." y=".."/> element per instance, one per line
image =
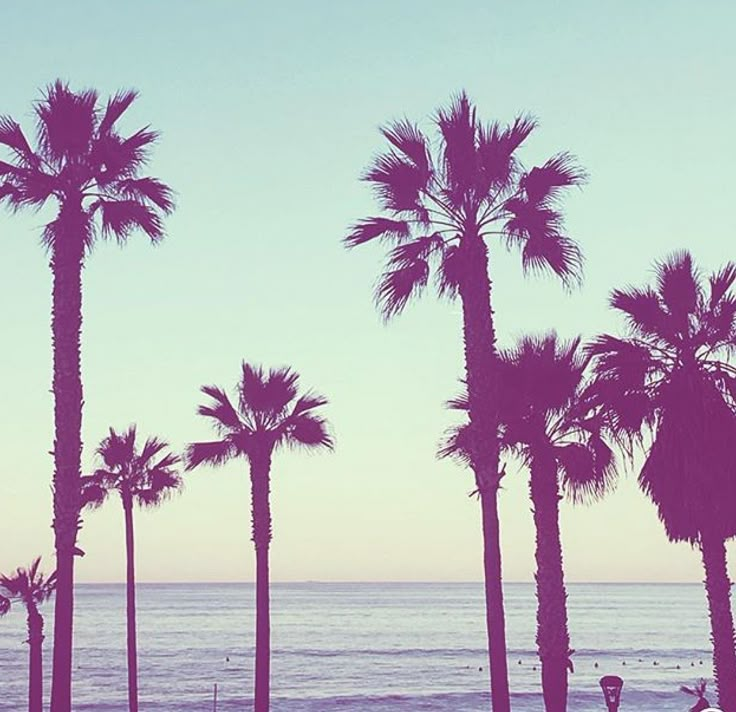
<point x="146" y="477"/>
<point x="544" y="420"/>
<point x="270" y="414"/>
<point x="30" y="588"/>
<point x="697" y="690"/>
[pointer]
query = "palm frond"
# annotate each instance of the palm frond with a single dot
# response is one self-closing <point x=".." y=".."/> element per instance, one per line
<point x="397" y="287"/>
<point x="147" y="190"/>
<point x="117" y="105"/>
<point x="372" y="228"/>
<point x="222" y="411"/>
<point x="215" y="453"/>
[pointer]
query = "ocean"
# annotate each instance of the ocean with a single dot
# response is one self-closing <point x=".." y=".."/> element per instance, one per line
<point x="377" y="647"/>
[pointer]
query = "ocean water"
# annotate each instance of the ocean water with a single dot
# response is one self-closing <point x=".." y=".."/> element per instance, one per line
<point x="368" y="646"/>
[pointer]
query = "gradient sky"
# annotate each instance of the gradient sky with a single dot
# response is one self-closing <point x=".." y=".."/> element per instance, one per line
<point x="269" y="112"/>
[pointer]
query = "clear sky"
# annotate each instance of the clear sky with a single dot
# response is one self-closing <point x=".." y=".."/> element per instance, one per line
<point x="269" y="112"/>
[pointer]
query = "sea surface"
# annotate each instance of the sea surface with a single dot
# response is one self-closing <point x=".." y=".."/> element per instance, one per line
<point x="368" y="646"/>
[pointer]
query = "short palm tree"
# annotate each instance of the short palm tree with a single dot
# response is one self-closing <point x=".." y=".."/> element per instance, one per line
<point x="144" y="476"/>
<point x="91" y="173"/>
<point x="269" y="414"/>
<point x="669" y="385"/>
<point x="440" y="209"/>
<point x="30" y="588"/>
<point x="697" y="691"/>
<point x="544" y="420"/>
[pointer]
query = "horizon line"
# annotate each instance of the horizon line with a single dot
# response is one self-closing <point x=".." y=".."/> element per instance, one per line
<point x="385" y="581"/>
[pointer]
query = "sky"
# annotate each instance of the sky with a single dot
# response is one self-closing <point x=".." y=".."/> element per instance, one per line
<point x="269" y="112"/>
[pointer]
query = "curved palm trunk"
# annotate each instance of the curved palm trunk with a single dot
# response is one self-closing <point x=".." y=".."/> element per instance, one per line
<point x="481" y="374"/>
<point x="35" y="660"/>
<point x="130" y="602"/>
<point x="718" y="590"/>
<point x="553" y="639"/>
<point x="260" y="467"/>
<point x="66" y="325"/>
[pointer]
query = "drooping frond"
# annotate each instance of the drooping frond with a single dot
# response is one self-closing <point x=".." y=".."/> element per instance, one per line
<point x="215" y="453"/>
<point x="397" y="285"/>
<point x="308" y="431"/>
<point x="372" y="228"/>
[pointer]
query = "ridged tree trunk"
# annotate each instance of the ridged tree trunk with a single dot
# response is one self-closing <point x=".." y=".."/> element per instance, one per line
<point x="718" y="590"/>
<point x="35" y="660"/>
<point x="481" y="373"/>
<point x="130" y="606"/>
<point x="260" y="467"/>
<point x="66" y="325"/>
<point x="553" y="638"/>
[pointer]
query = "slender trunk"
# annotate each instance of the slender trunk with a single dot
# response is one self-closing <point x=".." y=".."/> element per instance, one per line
<point x="481" y="361"/>
<point x="553" y="639"/>
<point x="35" y="661"/>
<point x="66" y="324"/>
<point x="718" y="590"/>
<point x="130" y="601"/>
<point x="260" y="467"/>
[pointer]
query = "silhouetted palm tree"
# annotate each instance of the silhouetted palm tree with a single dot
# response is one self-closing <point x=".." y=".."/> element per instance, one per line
<point x="697" y="690"/>
<point x="439" y="210"/>
<point x="30" y="588"/>
<point x="146" y="477"/>
<point x="91" y="173"/>
<point x="270" y="414"/>
<point x="544" y="420"/>
<point x="669" y="385"/>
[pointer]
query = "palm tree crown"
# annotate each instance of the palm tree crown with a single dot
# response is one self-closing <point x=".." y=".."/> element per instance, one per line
<point x="269" y="414"/>
<point x="83" y="162"/>
<point x="670" y="380"/>
<point x="145" y="476"/>
<point x="28" y="586"/>
<point x="543" y="414"/>
<point x="474" y="186"/>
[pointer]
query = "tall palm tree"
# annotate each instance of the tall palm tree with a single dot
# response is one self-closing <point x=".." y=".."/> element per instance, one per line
<point x="30" y="588"/>
<point x="544" y="420"/>
<point x="440" y="209"/>
<point x="669" y="385"/>
<point x="91" y="172"/>
<point x="269" y="414"/>
<point x="146" y="477"/>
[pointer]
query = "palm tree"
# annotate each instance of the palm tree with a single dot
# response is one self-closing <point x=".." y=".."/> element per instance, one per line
<point x="92" y="174"/>
<point x="30" y="588"/>
<point x="146" y="477"/>
<point x="544" y="421"/>
<point x="440" y="209"/>
<point x="269" y="414"/>
<point x="698" y="691"/>
<point x="669" y="386"/>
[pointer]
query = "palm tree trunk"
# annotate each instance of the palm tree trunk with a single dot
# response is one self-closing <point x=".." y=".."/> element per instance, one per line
<point x="66" y="325"/>
<point x="35" y="661"/>
<point x="260" y="467"/>
<point x="130" y="594"/>
<point x="553" y="639"/>
<point x="481" y="373"/>
<point x="718" y="590"/>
